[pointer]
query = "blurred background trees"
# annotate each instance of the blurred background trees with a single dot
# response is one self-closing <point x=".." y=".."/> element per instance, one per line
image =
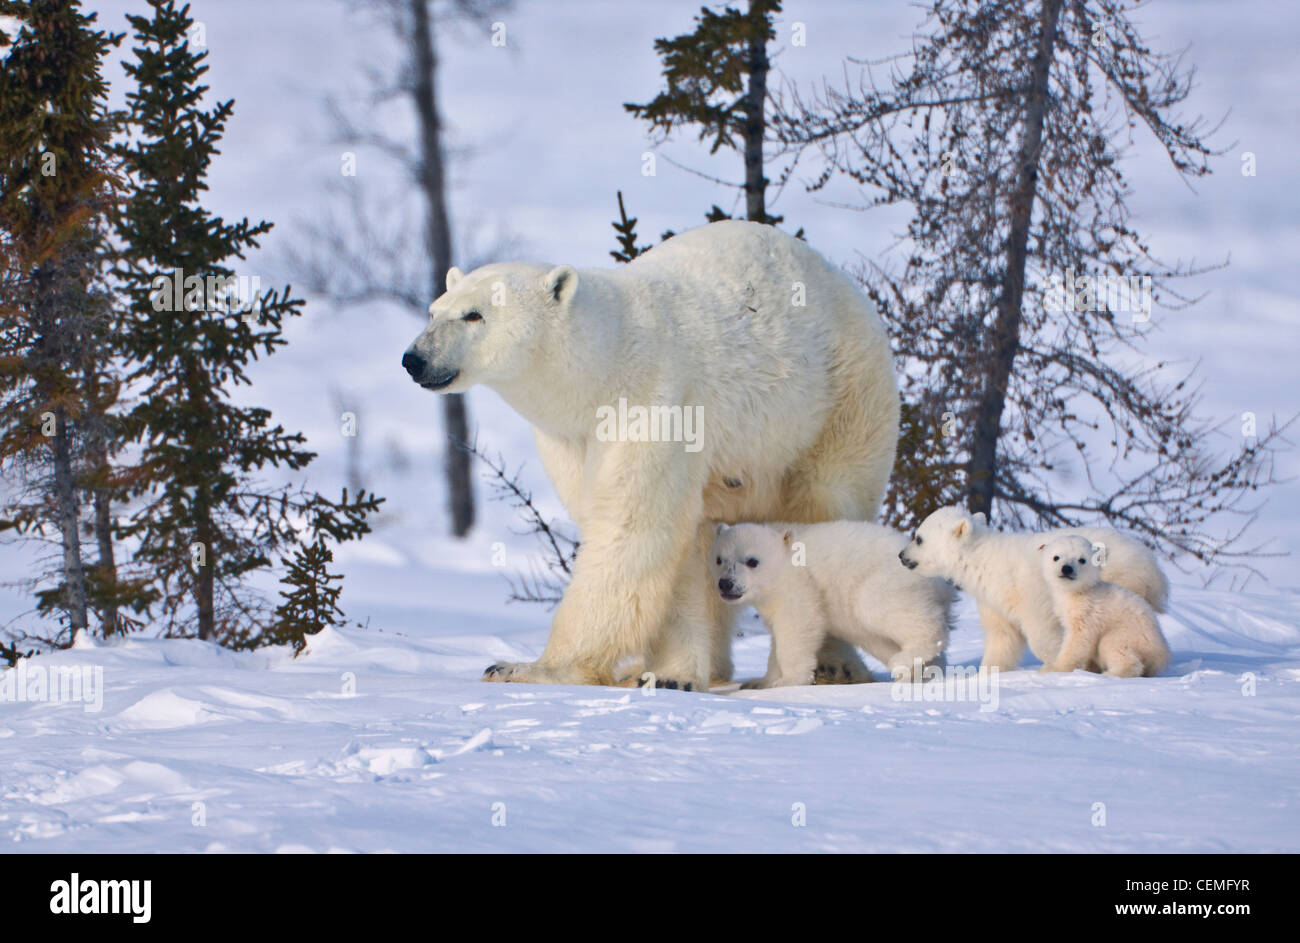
<point x="366" y="248"/>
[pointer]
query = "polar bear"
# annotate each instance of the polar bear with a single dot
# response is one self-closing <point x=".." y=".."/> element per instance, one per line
<point x="778" y="359"/>
<point x="840" y="579"/>
<point x="1106" y="626"/>
<point x="1003" y="573"/>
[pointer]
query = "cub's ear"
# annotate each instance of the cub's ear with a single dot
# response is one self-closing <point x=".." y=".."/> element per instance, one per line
<point x="453" y="276"/>
<point x="722" y="525"/>
<point x="979" y="518"/>
<point x="962" y="529"/>
<point x="560" y="283"/>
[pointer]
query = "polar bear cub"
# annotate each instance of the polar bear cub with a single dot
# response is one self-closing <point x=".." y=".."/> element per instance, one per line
<point x="1106" y="626"/>
<point x="839" y="580"/>
<point x="1004" y="573"/>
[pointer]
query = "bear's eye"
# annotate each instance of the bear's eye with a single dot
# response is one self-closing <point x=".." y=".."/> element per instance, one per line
<point x="1082" y="560"/>
<point x="917" y="538"/>
<point x="1056" y="559"/>
<point x="751" y="563"/>
<point x="472" y="316"/>
<point x="719" y="561"/>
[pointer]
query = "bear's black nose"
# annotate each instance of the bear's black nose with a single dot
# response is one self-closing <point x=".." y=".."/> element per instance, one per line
<point x="413" y="363"/>
<point x="1067" y="570"/>
<point x="726" y="586"/>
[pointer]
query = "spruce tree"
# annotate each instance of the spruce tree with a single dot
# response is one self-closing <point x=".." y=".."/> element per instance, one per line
<point x="207" y="522"/>
<point x="310" y="599"/>
<point x="56" y="192"/>
<point x="716" y="78"/>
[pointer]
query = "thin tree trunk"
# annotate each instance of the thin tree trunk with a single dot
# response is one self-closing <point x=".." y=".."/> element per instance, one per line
<point x="982" y="467"/>
<point x="204" y="587"/>
<point x="204" y="527"/>
<point x="105" y="571"/>
<point x="355" y="481"/>
<point x="65" y="498"/>
<point x="438" y="232"/>
<point x="755" y="131"/>
<point x="106" y="566"/>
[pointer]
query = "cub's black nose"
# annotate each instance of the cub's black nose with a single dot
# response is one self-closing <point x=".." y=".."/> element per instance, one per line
<point x="726" y="586"/>
<point x="413" y="363"/>
<point x="1067" y="570"/>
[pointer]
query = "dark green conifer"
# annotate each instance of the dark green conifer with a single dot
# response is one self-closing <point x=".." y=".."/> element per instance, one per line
<point x="716" y="81"/>
<point x="310" y="601"/>
<point x="208" y="522"/>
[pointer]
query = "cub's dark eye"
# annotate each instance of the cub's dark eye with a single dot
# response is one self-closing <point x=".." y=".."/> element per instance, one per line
<point x="472" y="316"/>
<point x="917" y="538"/>
<point x="751" y="563"/>
<point x="719" y="561"/>
<point x="1082" y="560"/>
<point x="1056" y="559"/>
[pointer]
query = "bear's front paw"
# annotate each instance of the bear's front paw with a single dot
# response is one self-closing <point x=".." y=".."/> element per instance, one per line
<point x="527" y="672"/>
<point x="504" y="671"/>
<point x="533" y="672"/>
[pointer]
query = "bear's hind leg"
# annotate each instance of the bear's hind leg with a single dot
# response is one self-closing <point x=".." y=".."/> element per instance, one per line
<point x="1004" y="646"/>
<point x="1119" y="658"/>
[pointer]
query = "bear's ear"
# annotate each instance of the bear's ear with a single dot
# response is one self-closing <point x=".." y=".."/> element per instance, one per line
<point x="962" y="528"/>
<point x="560" y="283"/>
<point x="722" y="525"/>
<point x="453" y="276"/>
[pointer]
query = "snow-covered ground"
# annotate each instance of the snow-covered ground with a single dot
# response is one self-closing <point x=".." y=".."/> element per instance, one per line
<point x="385" y="740"/>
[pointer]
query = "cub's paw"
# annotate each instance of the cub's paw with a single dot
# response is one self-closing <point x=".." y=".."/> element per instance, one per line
<point x="649" y="679"/>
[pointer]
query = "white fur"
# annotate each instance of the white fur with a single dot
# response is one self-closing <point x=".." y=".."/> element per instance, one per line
<point x="1003" y="573"/>
<point x="1107" y="627"/>
<point x="798" y="402"/>
<point x="841" y="580"/>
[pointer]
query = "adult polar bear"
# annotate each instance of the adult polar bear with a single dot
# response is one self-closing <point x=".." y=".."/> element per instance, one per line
<point x="789" y="367"/>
